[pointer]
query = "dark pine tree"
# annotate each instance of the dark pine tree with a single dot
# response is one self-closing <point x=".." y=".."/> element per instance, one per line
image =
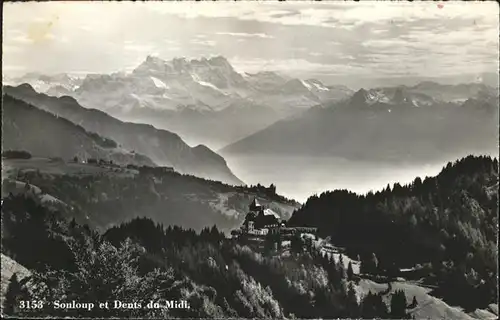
<point x="414" y="303"/>
<point x="10" y="304"/>
<point x="350" y="272"/>
<point x="341" y="270"/>
<point x="372" y="306"/>
<point x="367" y="306"/>
<point x="296" y="244"/>
<point x="398" y="305"/>
<point x="352" y="302"/>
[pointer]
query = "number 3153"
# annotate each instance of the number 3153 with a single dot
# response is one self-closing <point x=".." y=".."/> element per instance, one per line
<point x="30" y="304"/>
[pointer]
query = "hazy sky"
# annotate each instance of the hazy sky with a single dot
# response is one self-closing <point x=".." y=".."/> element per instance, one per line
<point x="329" y="40"/>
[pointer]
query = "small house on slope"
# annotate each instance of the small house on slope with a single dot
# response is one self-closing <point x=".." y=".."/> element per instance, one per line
<point x="260" y="217"/>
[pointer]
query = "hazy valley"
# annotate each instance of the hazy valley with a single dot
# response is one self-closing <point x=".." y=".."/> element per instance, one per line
<point x="298" y="177"/>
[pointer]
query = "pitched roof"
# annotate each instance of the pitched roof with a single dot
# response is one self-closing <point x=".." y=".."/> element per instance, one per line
<point x="269" y="212"/>
<point x="262" y="221"/>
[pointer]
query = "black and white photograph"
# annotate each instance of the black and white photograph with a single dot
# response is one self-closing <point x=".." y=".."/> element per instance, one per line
<point x="250" y="159"/>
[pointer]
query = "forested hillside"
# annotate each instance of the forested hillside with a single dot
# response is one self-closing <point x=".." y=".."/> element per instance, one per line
<point x="444" y="226"/>
<point x="441" y="228"/>
<point x="103" y="196"/>
<point x="141" y="261"/>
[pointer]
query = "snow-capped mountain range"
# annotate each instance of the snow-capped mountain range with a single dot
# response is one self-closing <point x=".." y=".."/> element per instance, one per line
<point x="391" y="96"/>
<point x="60" y="84"/>
<point x="175" y="94"/>
<point x="387" y="124"/>
<point x="424" y="94"/>
<point x="205" y="84"/>
<point x="206" y="101"/>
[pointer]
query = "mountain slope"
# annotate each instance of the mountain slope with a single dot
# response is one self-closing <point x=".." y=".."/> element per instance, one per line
<point x="390" y="125"/>
<point x="216" y="128"/>
<point x="443" y="227"/>
<point x="44" y="134"/>
<point x="163" y="147"/>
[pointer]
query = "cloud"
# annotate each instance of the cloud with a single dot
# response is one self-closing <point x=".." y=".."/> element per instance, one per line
<point x="316" y="54"/>
<point x="208" y="43"/>
<point x="246" y="35"/>
<point x="333" y="15"/>
<point x="338" y="38"/>
<point x="284" y="13"/>
<point x="294" y="65"/>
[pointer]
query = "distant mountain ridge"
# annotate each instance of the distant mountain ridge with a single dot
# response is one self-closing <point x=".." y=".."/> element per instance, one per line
<point x="163" y="147"/>
<point x="389" y="124"/>
<point x="446" y="92"/>
<point x="206" y="101"/>
<point x="60" y="83"/>
<point x="390" y="96"/>
<point x="426" y="93"/>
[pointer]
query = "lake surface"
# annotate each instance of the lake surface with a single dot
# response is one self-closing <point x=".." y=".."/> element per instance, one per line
<point x="300" y="177"/>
